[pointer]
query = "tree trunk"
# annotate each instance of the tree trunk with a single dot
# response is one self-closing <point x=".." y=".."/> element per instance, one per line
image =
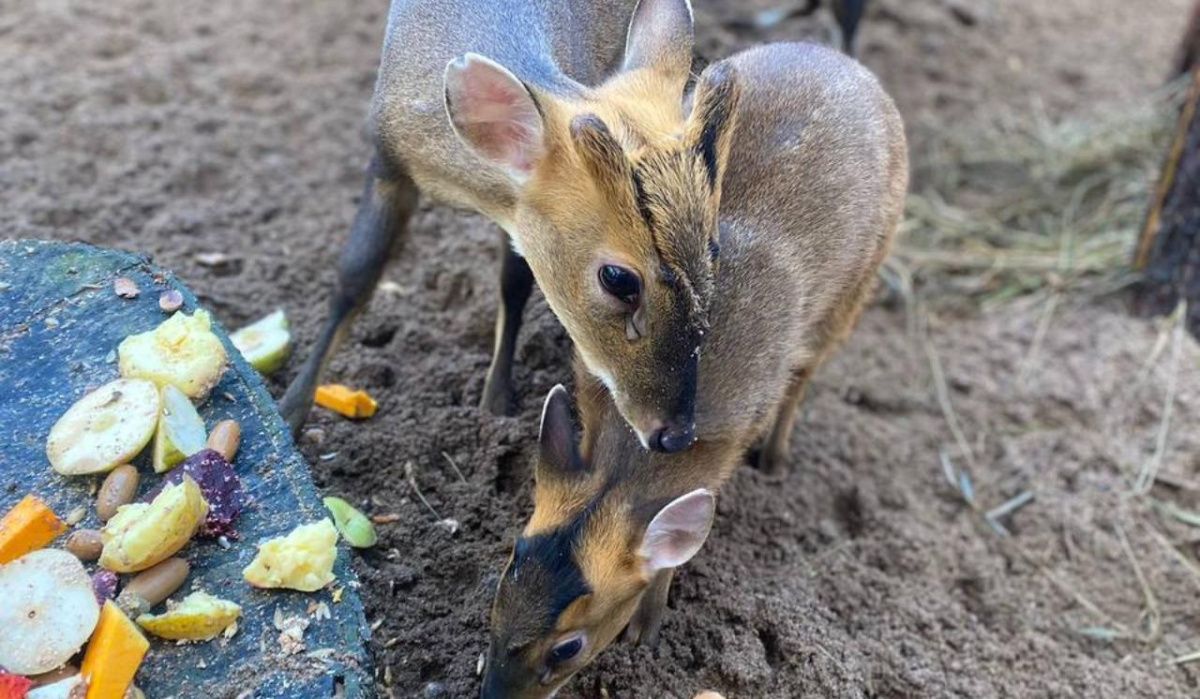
<point x="1168" y="250"/>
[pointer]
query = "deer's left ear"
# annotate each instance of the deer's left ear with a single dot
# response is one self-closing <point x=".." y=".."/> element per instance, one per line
<point x="678" y="530"/>
<point x="494" y="113"/>
<point x="660" y="38"/>
<point x="713" y="121"/>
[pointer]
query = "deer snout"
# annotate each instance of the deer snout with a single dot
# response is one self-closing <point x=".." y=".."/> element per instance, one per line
<point x="675" y="436"/>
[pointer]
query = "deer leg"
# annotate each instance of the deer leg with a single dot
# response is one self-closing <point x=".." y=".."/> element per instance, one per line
<point x="776" y="447"/>
<point x="849" y="14"/>
<point x="516" y="284"/>
<point x="647" y="621"/>
<point x="388" y="201"/>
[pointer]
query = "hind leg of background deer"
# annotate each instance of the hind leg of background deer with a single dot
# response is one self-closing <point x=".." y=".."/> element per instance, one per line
<point x="643" y="628"/>
<point x="388" y="200"/>
<point x="516" y="283"/>
<point x="777" y="445"/>
<point x="849" y="13"/>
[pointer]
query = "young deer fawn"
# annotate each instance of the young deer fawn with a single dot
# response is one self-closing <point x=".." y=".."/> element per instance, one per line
<point x="811" y="195"/>
<point x="564" y="123"/>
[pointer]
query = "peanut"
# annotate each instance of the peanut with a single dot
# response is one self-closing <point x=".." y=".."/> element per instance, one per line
<point x="225" y="438"/>
<point x="84" y="544"/>
<point x="153" y="585"/>
<point x="119" y="488"/>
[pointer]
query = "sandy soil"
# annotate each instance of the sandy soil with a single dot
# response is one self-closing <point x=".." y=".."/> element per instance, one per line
<point x="162" y="127"/>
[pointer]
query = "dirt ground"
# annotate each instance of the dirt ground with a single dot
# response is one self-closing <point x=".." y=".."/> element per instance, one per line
<point x="178" y="129"/>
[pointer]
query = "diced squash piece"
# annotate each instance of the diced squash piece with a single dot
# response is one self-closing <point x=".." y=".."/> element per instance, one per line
<point x="182" y="351"/>
<point x="266" y="343"/>
<point x="142" y="534"/>
<point x="47" y="611"/>
<point x="114" y="655"/>
<point x="28" y="526"/>
<point x="302" y="560"/>
<point x="199" y="617"/>
<point x="345" y="401"/>
<point x="180" y="430"/>
<point x="105" y="428"/>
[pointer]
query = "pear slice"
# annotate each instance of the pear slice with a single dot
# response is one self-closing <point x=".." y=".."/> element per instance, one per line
<point x="49" y="611"/>
<point x="182" y="351"/>
<point x="105" y="428"/>
<point x="180" y="430"/>
<point x="266" y="343"/>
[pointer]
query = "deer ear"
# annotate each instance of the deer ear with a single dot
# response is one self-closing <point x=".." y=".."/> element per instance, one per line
<point x="678" y="530"/>
<point x="494" y="113"/>
<point x="713" y="121"/>
<point x="660" y="38"/>
<point x="558" y="452"/>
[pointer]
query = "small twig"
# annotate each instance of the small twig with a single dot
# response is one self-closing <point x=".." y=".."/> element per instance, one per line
<point x="1177" y="482"/>
<point x="1187" y="658"/>
<point x="943" y="397"/>
<point x="1155" y="629"/>
<point x="1150" y="468"/>
<point x="454" y="466"/>
<point x="408" y="474"/>
<point x="1009" y="506"/>
<point x="1178" y="555"/>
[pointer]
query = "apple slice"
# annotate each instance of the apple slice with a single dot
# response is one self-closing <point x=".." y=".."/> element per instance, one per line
<point x="180" y="430"/>
<point x="49" y="611"/>
<point x="266" y="343"/>
<point x="105" y="428"/>
<point x="182" y="351"/>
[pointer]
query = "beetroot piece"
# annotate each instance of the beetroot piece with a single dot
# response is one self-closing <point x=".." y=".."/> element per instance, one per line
<point x="13" y="686"/>
<point x="219" y="484"/>
<point x="104" y="584"/>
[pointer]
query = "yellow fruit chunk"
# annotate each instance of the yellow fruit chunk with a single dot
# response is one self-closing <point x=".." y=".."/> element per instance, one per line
<point x="143" y="534"/>
<point x="182" y="351"/>
<point x="180" y="430"/>
<point x="265" y="343"/>
<point x="47" y="613"/>
<point x="302" y="560"/>
<point x="199" y="617"/>
<point x="345" y="401"/>
<point x="114" y="655"/>
<point x="28" y="526"/>
<point x="105" y="428"/>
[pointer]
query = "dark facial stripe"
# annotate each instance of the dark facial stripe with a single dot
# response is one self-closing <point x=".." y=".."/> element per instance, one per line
<point x="549" y="558"/>
<point x="643" y="204"/>
<point x="708" y="148"/>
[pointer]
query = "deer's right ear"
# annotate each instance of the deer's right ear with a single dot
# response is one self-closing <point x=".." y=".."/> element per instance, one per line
<point x="494" y="113"/>
<point x="660" y="38"/>
<point x="558" y="451"/>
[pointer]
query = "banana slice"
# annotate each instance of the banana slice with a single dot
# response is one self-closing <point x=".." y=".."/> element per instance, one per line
<point x="105" y="428"/>
<point x="199" y="617"/>
<point x="180" y="430"/>
<point x="266" y="343"/>
<point x="182" y="351"/>
<point x="49" y="611"/>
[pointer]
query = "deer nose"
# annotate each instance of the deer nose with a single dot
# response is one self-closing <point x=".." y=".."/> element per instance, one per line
<point x="673" y="437"/>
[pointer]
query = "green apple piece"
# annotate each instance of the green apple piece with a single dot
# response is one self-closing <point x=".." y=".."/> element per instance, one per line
<point x="266" y="343"/>
<point x="180" y="430"/>
<point x="105" y="428"/>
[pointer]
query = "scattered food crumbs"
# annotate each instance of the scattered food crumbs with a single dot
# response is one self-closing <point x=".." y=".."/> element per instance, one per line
<point x="75" y="516"/>
<point x="170" y="300"/>
<point x="450" y="525"/>
<point x="479" y="664"/>
<point x="345" y="401"/>
<point x="291" y="632"/>
<point x="385" y="519"/>
<point x="110" y="357"/>
<point x="126" y="288"/>
<point x="5" y="286"/>
<point x="376" y="624"/>
<point x="52" y="323"/>
<point x="318" y="611"/>
<point x="328" y="457"/>
<point x="223" y="542"/>
<point x="337" y="594"/>
<point x="316" y="435"/>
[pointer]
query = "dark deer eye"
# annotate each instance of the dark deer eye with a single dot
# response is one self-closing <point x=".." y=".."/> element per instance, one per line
<point x="621" y="283"/>
<point x="565" y="651"/>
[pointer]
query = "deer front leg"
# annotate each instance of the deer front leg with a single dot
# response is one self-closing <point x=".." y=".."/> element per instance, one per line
<point x="775" y="449"/>
<point x="389" y="198"/>
<point x="516" y="283"/>
<point x="647" y="621"/>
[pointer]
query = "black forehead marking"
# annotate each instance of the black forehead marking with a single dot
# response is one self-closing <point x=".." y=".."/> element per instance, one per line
<point x="708" y="151"/>
<point x="643" y="202"/>
<point x="549" y="558"/>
